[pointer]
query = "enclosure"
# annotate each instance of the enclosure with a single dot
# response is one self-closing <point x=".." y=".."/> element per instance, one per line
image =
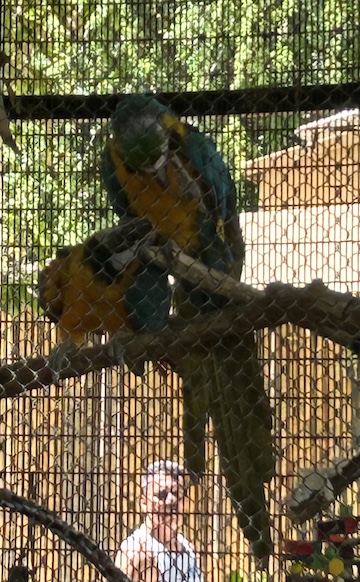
<point x="276" y="87"/>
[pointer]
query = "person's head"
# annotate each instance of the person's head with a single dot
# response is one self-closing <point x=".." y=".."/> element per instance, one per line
<point x="162" y="493"/>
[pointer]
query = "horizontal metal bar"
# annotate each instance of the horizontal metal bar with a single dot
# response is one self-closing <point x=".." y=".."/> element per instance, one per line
<point x="242" y="101"/>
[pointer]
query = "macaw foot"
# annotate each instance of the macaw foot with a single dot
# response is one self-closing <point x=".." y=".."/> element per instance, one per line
<point x="59" y="358"/>
<point x="117" y="353"/>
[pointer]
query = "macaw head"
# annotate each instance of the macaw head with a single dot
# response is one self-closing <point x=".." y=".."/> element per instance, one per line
<point x="141" y="131"/>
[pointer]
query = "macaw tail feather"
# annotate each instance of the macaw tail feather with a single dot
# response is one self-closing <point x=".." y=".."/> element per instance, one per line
<point x="195" y="390"/>
<point x="241" y="416"/>
<point x="227" y="386"/>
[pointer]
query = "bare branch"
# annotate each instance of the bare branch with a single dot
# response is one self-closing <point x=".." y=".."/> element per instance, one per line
<point x="77" y="540"/>
<point x="179" y="264"/>
<point x="316" y="501"/>
<point x="327" y="313"/>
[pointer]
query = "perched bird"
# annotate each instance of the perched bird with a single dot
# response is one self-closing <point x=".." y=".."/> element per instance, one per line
<point x="159" y="168"/>
<point x="166" y="171"/>
<point x="102" y="285"/>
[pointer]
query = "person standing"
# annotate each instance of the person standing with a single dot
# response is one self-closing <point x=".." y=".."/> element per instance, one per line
<point x="157" y="551"/>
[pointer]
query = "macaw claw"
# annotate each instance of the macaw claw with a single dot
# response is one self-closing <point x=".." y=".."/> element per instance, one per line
<point x="60" y="359"/>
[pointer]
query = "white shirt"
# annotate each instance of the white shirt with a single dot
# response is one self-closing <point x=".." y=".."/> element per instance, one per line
<point x="172" y="566"/>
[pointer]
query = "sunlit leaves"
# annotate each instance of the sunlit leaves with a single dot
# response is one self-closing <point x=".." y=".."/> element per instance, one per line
<point x="77" y="46"/>
<point x="51" y="198"/>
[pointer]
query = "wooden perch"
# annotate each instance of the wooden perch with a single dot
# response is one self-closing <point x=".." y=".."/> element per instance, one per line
<point x="77" y="540"/>
<point x="316" y="501"/>
<point x="328" y="313"/>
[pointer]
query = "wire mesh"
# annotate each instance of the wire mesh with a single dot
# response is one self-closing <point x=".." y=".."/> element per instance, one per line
<point x="80" y="448"/>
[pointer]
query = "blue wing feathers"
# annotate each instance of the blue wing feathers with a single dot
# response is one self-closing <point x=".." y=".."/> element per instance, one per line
<point x="203" y="154"/>
<point x="148" y="299"/>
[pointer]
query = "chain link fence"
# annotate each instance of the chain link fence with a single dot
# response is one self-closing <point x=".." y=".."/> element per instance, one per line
<point x="113" y="215"/>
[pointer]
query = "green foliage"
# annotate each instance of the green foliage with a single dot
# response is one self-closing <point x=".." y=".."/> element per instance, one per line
<point x="82" y="47"/>
<point x="51" y="198"/>
<point x="235" y="577"/>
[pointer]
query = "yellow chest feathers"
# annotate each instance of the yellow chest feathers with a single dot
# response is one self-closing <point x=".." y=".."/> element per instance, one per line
<point x="172" y="208"/>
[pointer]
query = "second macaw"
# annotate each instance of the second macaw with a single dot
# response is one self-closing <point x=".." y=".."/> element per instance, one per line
<point x="102" y="285"/>
<point x="157" y="167"/>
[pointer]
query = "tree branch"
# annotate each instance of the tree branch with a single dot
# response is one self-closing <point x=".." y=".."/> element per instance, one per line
<point x="328" y="313"/>
<point x="77" y="540"/>
<point x="316" y="501"/>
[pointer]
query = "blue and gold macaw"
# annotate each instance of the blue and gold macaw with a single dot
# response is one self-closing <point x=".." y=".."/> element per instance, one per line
<point x="166" y="171"/>
<point x="103" y="285"/>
